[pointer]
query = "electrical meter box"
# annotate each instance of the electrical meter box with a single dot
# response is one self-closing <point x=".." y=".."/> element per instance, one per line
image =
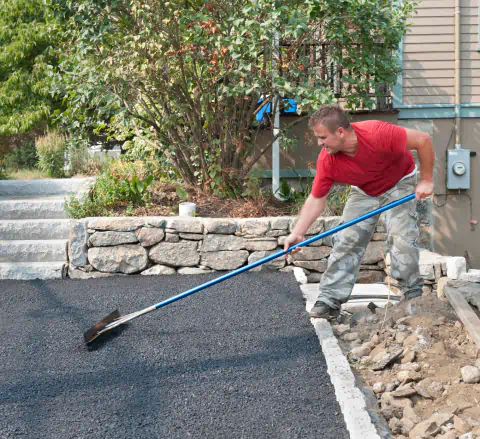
<point x="458" y="169"/>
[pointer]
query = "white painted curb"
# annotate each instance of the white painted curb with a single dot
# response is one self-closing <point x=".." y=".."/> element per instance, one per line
<point x="349" y="397"/>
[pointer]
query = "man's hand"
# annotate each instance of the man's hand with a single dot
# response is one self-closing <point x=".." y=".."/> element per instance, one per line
<point x="292" y="239"/>
<point x="424" y="189"/>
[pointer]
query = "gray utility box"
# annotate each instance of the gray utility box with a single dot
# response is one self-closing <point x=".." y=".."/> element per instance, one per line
<point x="458" y="169"/>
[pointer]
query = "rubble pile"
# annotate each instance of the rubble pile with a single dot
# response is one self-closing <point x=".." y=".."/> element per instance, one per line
<point x="422" y="366"/>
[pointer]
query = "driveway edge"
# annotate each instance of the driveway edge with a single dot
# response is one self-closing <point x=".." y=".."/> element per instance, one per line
<point x="349" y="397"/>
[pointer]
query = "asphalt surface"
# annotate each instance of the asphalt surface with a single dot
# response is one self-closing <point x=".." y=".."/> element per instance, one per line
<point x="237" y="360"/>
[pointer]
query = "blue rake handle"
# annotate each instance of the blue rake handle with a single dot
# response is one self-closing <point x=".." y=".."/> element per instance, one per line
<point x="333" y="230"/>
<point x="283" y="252"/>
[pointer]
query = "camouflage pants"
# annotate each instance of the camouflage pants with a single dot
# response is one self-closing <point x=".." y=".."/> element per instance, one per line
<point x="349" y="244"/>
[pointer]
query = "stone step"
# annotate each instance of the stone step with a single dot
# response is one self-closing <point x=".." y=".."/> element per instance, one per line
<point x="29" y="188"/>
<point x="32" y="270"/>
<point x="53" y="250"/>
<point x="25" y="208"/>
<point x="31" y="229"/>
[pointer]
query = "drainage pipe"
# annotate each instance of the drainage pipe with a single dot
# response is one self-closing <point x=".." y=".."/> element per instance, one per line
<point x="458" y="82"/>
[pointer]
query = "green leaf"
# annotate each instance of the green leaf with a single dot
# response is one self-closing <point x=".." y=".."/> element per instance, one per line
<point x="182" y="193"/>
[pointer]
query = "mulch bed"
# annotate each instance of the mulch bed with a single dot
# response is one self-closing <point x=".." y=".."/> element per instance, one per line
<point x="165" y="202"/>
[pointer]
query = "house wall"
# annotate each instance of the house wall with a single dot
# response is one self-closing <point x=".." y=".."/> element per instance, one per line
<point x="428" y="54"/>
<point x="452" y="231"/>
<point x="423" y="99"/>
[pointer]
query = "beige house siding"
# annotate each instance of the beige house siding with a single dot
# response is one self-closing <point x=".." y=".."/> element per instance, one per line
<point x="428" y="54"/>
<point x="470" y="89"/>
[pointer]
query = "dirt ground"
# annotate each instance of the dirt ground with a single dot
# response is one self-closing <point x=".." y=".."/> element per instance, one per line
<point x="413" y="358"/>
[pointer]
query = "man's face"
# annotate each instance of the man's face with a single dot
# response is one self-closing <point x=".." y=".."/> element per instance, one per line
<point x="332" y="142"/>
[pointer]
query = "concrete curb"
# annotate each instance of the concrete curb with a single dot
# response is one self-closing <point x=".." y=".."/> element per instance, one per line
<point x="349" y="397"/>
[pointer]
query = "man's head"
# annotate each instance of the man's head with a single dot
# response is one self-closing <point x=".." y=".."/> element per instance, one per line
<point x="330" y="125"/>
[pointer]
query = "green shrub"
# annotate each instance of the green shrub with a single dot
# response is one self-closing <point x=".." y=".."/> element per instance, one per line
<point x="23" y="157"/>
<point x="120" y="185"/>
<point x="82" y="163"/>
<point x="336" y="200"/>
<point x="51" y="154"/>
<point x="83" y="208"/>
<point x="3" y="171"/>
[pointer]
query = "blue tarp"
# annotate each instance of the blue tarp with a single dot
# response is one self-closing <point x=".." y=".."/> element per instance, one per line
<point x="289" y="106"/>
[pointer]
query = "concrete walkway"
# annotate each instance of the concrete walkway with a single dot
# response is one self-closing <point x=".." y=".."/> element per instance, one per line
<point x="238" y="360"/>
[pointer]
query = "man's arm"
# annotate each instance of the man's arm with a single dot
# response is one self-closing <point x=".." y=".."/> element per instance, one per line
<point x="311" y="210"/>
<point x="422" y="143"/>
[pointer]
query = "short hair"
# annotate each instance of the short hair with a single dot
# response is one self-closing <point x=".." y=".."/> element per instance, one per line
<point x="332" y="116"/>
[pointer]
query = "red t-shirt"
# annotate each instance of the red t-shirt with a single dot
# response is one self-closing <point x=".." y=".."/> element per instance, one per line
<point x="381" y="160"/>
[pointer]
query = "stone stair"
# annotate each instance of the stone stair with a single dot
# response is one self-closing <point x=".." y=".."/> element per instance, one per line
<point x="34" y="228"/>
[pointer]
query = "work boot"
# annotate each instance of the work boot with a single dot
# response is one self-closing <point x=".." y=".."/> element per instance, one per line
<point x="409" y="295"/>
<point x="322" y="311"/>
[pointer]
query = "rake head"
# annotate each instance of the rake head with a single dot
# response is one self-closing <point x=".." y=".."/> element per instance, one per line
<point x="101" y="327"/>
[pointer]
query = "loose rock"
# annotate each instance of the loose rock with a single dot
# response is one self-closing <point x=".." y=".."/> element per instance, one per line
<point x="431" y="426"/>
<point x="410" y="366"/>
<point x="470" y="374"/>
<point x="352" y="336"/>
<point x="461" y="425"/>
<point x="360" y="352"/>
<point x="404" y="391"/>
<point x="387" y="359"/>
<point x="379" y="387"/>
<point x="159" y="270"/>
<point x="341" y="329"/>
<point x="395" y="425"/>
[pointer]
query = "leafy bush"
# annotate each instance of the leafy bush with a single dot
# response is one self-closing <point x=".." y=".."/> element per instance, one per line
<point x="3" y="171"/>
<point x="336" y="199"/>
<point x="122" y="184"/>
<point x="137" y="189"/>
<point x="23" y="157"/>
<point x="82" y="163"/>
<point x="189" y="83"/>
<point x="82" y="208"/>
<point x="297" y="196"/>
<point x="51" y="154"/>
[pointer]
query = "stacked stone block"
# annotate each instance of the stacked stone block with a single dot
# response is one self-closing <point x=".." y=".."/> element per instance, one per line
<point x="168" y="245"/>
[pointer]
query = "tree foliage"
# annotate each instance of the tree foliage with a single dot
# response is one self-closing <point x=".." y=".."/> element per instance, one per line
<point x="28" y="36"/>
<point x="187" y="78"/>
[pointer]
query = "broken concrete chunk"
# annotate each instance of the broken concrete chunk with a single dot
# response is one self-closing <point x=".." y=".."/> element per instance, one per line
<point x="461" y="425"/>
<point x="409" y="413"/>
<point x="431" y="426"/>
<point x="409" y="375"/>
<point x="404" y="391"/>
<point x="387" y="359"/>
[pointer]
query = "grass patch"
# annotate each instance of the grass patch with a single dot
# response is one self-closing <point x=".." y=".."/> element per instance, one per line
<point x="28" y="174"/>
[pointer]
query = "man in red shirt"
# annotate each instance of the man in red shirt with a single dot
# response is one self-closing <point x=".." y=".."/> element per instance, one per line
<point x="374" y="158"/>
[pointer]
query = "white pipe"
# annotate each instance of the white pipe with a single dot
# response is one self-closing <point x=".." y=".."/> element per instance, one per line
<point x="458" y="83"/>
<point x="276" y="122"/>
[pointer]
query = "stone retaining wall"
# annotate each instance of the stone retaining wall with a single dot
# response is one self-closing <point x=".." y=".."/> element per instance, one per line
<point x="167" y="245"/>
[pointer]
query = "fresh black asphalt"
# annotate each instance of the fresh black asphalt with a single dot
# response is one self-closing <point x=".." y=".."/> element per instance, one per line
<point x="237" y="360"/>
